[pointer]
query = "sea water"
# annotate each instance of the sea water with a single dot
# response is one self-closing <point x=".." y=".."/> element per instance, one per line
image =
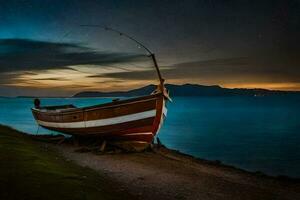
<point x="252" y="133"/>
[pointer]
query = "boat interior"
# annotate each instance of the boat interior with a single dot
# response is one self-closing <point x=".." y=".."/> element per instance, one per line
<point x="114" y="103"/>
<point x="57" y="108"/>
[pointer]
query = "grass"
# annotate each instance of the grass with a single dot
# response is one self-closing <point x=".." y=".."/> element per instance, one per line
<point x="29" y="170"/>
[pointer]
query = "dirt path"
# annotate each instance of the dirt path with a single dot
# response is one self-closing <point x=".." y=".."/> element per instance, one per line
<point x="169" y="175"/>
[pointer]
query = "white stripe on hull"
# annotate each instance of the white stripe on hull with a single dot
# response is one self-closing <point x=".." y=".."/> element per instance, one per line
<point x="99" y="122"/>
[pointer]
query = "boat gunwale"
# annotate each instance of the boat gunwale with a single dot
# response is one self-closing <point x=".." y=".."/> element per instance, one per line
<point x="101" y="106"/>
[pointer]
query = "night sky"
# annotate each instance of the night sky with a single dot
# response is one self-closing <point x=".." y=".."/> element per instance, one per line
<point x="231" y="43"/>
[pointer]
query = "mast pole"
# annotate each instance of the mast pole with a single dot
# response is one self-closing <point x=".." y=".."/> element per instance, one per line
<point x="152" y="55"/>
<point x="161" y="80"/>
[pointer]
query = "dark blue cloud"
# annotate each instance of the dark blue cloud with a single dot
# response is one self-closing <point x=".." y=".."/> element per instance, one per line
<point x="24" y="55"/>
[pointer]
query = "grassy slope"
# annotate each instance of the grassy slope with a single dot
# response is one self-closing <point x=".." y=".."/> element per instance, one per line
<point x="28" y="170"/>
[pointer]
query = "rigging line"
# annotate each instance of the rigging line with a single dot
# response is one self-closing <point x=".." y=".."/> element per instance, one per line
<point x="139" y="43"/>
<point x="104" y="65"/>
<point x="120" y="33"/>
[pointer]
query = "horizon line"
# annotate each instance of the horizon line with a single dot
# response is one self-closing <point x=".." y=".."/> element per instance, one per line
<point x="124" y="91"/>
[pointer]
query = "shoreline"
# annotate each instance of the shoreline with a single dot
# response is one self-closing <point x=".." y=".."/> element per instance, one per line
<point x="221" y="164"/>
<point x="172" y="153"/>
<point x="170" y="174"/>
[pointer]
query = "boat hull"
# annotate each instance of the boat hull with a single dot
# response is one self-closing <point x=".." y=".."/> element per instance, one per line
<point x="134" y="120"/>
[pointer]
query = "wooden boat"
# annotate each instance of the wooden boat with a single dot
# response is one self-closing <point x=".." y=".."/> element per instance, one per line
<point x="133" y="122"/>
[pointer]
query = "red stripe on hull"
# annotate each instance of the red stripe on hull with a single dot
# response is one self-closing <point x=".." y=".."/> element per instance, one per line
<point x="138" y="130"/>
<point x="102" y="131"/>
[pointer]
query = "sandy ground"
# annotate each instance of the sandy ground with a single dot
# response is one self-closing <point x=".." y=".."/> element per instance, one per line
<point x="165" y="174"/>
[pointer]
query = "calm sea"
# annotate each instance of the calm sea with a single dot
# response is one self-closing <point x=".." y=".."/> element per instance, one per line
<point x="253" y="133"/>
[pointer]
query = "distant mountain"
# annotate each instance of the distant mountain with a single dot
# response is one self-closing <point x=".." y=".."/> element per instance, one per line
<point x="187" y="90"/>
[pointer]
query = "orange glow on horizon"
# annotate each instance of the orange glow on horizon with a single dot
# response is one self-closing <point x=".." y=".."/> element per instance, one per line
<point x="71" y="80"/>
<point x="84" y="80"/>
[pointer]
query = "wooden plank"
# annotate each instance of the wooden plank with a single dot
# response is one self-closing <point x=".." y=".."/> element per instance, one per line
<point x="105" y="130"/>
